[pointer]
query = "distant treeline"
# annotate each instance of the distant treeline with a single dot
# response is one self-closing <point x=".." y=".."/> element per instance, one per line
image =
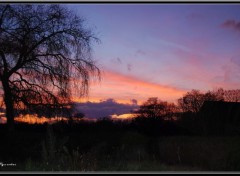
<point x="192" y="101"/>
<point x="188" y="116"/>
<point x="158" y="117"/>
<point x="154" y="107"/>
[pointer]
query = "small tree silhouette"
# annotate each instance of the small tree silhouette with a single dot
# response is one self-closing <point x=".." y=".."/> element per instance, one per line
<point x="154" y="108"/>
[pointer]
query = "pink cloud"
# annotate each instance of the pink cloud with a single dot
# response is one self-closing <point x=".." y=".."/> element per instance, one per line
<point x="204" y="71"/>
<point x="230" y="75"/>
<point x="124" y="88"/>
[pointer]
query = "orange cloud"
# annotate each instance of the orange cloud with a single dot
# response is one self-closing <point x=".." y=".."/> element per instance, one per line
<point x="123" y="88"/>
<point x="124" y="116"/>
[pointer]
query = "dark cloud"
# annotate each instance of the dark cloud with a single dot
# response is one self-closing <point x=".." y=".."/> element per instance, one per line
<point x="105" y="108"/>
<point x="116" y="61"/>
<point x="129" y="67"/>
<point x="140" y="52"/>
<point x="232" y="24"/>
<point x="134" y="101"/>
<point x="119" y="60"/>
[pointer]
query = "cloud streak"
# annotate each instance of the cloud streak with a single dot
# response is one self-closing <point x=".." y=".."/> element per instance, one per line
<point x="124" y="88"/>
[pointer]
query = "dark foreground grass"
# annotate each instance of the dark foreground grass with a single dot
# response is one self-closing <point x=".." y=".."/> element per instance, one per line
<point x="107" y="148"/>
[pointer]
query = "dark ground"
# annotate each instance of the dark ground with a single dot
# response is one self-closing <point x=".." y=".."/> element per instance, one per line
<point x="115" y="146"/>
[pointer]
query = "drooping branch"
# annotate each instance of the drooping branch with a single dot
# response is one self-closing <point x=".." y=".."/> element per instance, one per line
<point x="44" y="51"/>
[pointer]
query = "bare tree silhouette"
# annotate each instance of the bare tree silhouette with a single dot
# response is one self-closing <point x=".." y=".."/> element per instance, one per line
<point x="228" y="95"/>
<point x="155" y="108"/>
<point x="45" y="54"/>
<point x="192" y="101"/>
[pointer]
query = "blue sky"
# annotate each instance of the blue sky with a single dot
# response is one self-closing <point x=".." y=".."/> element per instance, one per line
<point x="163" y="50"/>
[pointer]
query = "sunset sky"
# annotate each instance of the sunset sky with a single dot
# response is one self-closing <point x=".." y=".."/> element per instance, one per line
<point x="163" y="50"/>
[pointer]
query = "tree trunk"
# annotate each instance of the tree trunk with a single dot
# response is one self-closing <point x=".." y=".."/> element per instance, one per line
<point x="10" y="115"/>
<point x="8" y="100"/>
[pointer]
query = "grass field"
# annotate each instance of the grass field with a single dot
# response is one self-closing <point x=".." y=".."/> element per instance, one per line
<point x="110" y="147"/>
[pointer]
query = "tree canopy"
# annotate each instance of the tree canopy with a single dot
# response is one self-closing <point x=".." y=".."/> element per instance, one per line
<point x="45" y="55"/>
<point x="155" y="108"/>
